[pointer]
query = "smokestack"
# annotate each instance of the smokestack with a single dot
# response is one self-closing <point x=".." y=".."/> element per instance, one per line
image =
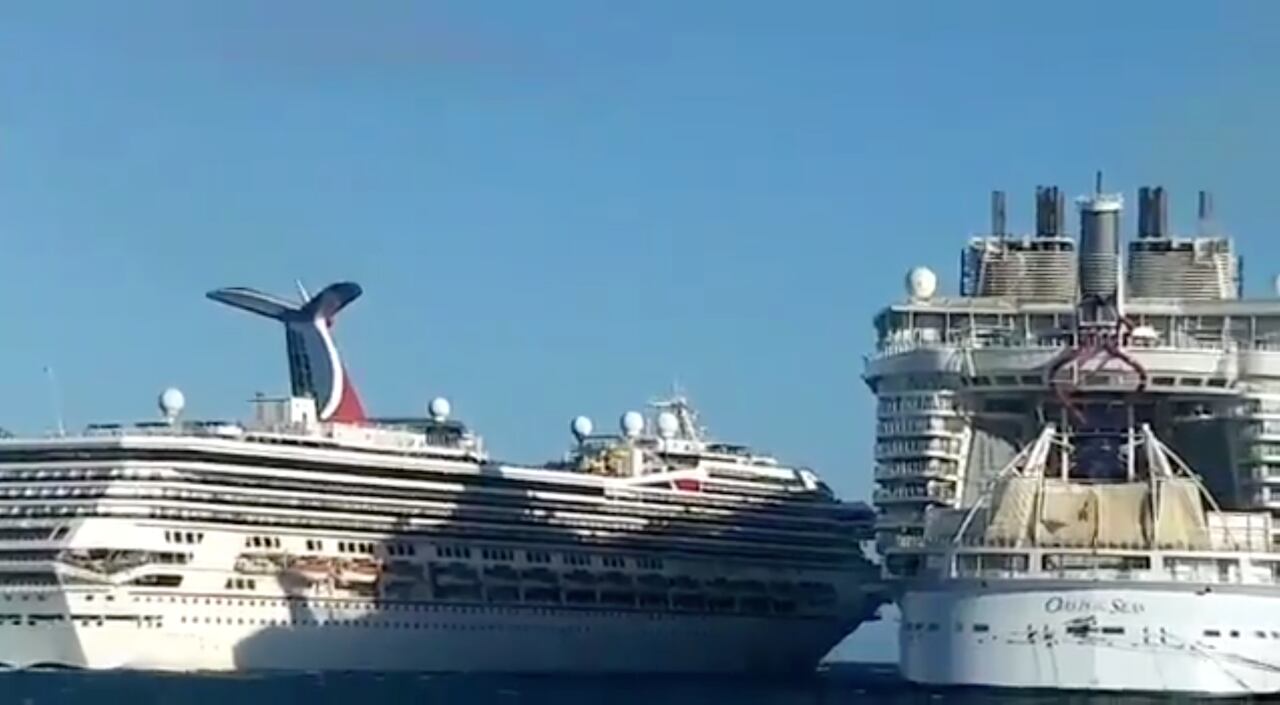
<point x="1144" y="212"/>
<point x="1059" y="212"/>
<point x="997" y="214"/>
<point x="1204" y="212"/>
<point x="1160" y="213"/>
<point x="1153" y="212"/>
<point x="1100" y="244"/>
<point x="1050" y="211"/>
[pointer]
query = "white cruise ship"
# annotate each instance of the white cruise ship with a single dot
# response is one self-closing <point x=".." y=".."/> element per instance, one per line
<point x="314" y="538"/>
<point x="1036" y="522"/>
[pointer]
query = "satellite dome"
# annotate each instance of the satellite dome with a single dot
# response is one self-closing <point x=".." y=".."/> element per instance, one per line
<point x="632" y="424"/>
<point x="668" y="424"/>
<point x="439" y="409"/>
<point x="171" y="402"/>
<point x="581" y="427"/>
<point x="922" y="283"/>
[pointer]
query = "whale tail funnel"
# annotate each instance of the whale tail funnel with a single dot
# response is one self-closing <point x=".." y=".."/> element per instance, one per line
<point x="315" y="367"/>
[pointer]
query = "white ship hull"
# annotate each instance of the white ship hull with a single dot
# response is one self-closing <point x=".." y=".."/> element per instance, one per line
<point x="448" y="639"/>
<point x="1166" y="638"/>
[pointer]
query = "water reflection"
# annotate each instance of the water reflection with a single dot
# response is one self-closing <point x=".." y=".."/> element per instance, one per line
<point x="844" y="683"/>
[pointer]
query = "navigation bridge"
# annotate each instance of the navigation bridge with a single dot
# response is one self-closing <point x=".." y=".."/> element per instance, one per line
<point x="1053" y="328"/>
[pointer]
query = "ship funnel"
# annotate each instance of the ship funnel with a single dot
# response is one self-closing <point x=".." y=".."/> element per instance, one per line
<point x="1050" y="211"/>
<point x="1204" y="212"/>
<point x="997" y="214"/>
<point x="1100" y="242"/>
<point x="1153" y="212"/>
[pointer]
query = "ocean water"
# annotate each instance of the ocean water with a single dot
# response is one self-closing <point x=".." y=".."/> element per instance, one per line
<point x="840" y="683"/>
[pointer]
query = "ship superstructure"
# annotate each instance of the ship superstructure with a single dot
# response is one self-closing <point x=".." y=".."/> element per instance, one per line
<point x="962" y="382"/>
<point x="1074" y="460"/>
<point x="313" y="537"/>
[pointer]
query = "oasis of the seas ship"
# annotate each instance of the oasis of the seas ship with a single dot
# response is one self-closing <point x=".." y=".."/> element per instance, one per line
<point x="315" y="538"/>
<point x="1078" y="460"/>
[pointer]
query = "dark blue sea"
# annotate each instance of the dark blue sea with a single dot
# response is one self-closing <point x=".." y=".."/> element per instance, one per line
<point x="839" y="683"/>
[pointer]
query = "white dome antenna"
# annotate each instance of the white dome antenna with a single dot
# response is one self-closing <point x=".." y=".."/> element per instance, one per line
<point x="171" y="402"/>
<point x="922" y="283"/>
<point x="668" y="424"/>
<point x="581" y="427"/>
<point x="632" y="424"/>
<point x="439" y="409"/>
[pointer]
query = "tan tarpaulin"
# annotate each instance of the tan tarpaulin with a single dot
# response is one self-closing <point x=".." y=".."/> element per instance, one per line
<point x="1180" y="522"/>
<point x="1013" y="506"/>
<point x="1124" y="514"/>
<point x="1070" y="514"/>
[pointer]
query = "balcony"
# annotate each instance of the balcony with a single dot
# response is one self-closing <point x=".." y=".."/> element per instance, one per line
<point x="915" y="494"/>
<point x="917" y="469"/>
<point x="940" y="448"/>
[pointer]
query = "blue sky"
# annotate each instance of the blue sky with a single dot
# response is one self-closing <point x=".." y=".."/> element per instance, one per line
<point x="561" y="207"/>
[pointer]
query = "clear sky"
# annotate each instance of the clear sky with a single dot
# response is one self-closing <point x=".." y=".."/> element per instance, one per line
<point x="560" y="207"/>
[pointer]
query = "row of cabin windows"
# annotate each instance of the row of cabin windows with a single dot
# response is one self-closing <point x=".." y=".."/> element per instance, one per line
<point x="1235" y="634"/>
<point x="355" y="547"/>
<point x="33" y="534"/>
<point x="496" y="554"/>
<point x="241" y="584"/>
<point x="575" y="559"/>
<point x="262" y="542"/>
<point x="183" y="536"/>
<point x="359" y="622"/>
<point x="983" y="628"/>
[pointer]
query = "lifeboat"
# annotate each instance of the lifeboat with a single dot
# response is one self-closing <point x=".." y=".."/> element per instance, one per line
<point x="359" y="572"/>
<point x="615" y="578"/>
<point x="684" y="582"/>
<point x="256" y="565"/>
<point x="539" y="575"/>
<point x="312" y="568"/>
<point x="454" y="574"/>
<point x="654" y="581"/>
<point x="502" y="572"/>
<point x="581" y="577"/>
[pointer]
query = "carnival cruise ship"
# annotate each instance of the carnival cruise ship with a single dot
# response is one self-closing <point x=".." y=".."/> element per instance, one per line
<point x="316" y="538"/>
<point x="1076" y="459"/>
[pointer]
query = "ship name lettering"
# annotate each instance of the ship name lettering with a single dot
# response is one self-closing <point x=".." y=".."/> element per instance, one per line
<point x="1077" y="605"/>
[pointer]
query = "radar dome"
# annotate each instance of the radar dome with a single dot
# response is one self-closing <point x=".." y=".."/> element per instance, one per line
<point x="922" y="283"/>
<point x="439" y="409"/>
<point x="171" y="402"/>
<point x="668" y="424"/>
<point x="581" y="427"/>
<point x="632" y="424"/>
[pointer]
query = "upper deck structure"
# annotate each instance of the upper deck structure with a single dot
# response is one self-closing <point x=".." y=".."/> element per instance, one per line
<point x="1054" y="327"/>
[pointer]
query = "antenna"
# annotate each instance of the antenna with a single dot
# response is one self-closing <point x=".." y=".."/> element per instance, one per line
<point x="1097" y="182"/>
<point x="56" y="398"/>
<point x="302" y="291"/>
